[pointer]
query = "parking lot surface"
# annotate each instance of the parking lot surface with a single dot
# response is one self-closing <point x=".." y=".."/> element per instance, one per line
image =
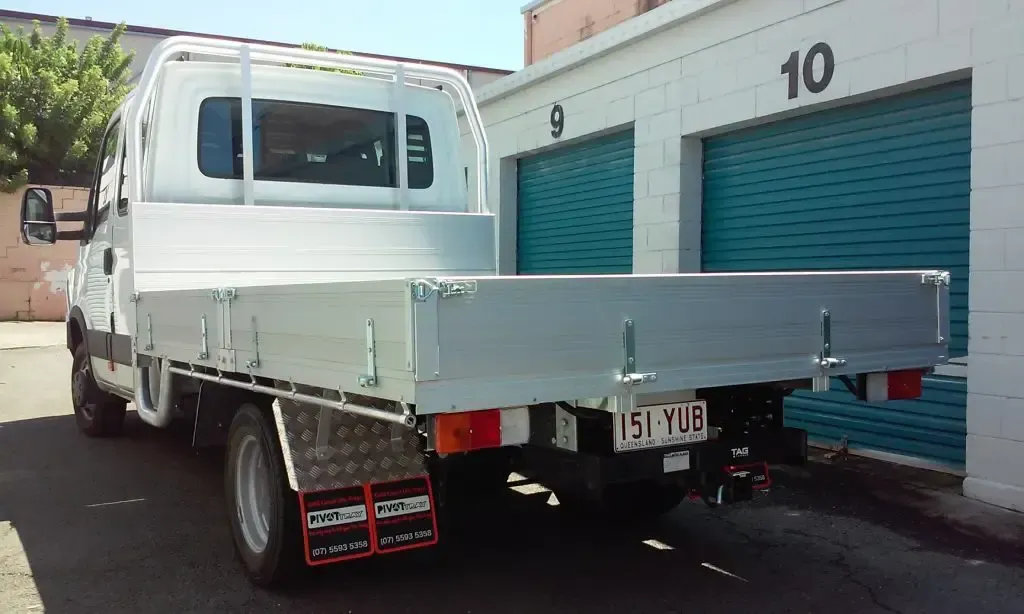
<point x="137" y="524"/>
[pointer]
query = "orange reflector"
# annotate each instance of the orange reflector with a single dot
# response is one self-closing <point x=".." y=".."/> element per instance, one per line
<point x="465" y="431"/>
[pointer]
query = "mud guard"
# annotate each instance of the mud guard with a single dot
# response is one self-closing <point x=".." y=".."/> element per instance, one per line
<point x="362" y="483"/>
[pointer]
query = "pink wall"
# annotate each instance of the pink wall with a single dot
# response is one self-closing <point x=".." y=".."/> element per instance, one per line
<point x="558" y="24"/>
<point x="33" y="278"/>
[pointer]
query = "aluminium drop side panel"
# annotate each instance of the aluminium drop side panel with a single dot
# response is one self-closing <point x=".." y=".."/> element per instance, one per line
<point x="312" y="334"/>
<point x="520" y="340"/>
<point x="316" y="334"/>
<point x="170" y="324"/>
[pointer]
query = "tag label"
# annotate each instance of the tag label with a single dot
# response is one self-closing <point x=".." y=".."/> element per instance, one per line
<point x="403" y="515"/>
<point x="336" y="525"/>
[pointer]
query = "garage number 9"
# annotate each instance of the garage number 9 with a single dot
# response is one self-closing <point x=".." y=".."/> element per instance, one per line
<point x="794" y="69"/>
<point x="557" y="120"/>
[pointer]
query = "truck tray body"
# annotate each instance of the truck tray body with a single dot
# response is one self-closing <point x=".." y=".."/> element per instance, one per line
<point x="471" y="343"/>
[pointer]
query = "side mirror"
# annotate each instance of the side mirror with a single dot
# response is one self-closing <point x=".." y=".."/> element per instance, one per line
<point x="38" y="226"/>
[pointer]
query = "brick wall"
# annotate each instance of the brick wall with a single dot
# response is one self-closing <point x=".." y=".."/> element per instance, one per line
<point x="33" y="278"/>
<point x="555" y="25"/>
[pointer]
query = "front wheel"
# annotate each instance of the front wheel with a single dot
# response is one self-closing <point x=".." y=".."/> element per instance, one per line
<point x="263" y="509"/>
<point x="97" y="413"/>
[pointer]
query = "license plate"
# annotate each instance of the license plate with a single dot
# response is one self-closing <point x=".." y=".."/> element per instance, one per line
<point x="658" y="426"/>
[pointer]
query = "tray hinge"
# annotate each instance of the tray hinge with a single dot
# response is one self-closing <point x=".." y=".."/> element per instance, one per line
<point x="937" y="279"/>
<point x="370" y="379"/>
<point x="421" y="290"/>
<point x="630" y="375"/>
<point x="254" y="362"/>
<point x="149" y="332"/>
<point x="204" y="342"/>
<point x="226" y="352"/>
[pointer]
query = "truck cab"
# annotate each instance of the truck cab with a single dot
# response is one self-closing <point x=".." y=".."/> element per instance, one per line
<point x="320" y="140"/>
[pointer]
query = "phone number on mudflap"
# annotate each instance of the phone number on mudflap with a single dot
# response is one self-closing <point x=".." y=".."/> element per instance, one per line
<point x="404" y="537"/>
<point x="338" y="548"/>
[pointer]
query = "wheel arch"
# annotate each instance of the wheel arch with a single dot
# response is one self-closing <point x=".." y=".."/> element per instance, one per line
<point x="216" y="407"/>
<point x="76" y="330"/>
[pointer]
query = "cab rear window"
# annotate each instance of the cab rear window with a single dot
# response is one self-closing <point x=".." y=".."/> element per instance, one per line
<point x="312" y="143"/>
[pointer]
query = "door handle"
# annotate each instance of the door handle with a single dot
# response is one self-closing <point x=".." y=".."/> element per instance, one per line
<point x="108" y="261"/>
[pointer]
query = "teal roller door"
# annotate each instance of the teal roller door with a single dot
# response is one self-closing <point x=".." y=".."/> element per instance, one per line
<point x="879" y="185"/>
<point x="575" y="209"/>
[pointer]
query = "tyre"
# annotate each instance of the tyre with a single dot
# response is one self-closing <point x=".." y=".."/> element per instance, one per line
<point x="262" y="507"/>
<point x="97" y="413"/>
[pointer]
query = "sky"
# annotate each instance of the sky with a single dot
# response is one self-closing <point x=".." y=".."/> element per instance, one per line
<point x="479" y="32"/>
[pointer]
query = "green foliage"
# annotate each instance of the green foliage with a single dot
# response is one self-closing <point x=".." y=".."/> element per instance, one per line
<point x="55" y="102"/>
<point x="316" y="47"/>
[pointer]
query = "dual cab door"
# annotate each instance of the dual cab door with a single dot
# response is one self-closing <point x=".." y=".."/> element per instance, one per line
<point x="102" y="283"/>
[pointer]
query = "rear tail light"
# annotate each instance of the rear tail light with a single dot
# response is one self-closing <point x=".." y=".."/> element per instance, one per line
<point x="477" y="430"/>
<point x="892" y="386"/>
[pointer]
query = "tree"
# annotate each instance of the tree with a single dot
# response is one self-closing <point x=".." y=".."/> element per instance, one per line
<point x="316" y="47"/>
<point x="55" y="102"/>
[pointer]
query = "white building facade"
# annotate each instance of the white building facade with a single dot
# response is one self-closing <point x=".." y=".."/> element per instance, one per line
<point x="731" y="135"/>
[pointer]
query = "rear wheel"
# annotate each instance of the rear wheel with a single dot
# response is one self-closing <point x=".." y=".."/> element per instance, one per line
<point x="262" y="507"/>
<point x="97" y="413"/>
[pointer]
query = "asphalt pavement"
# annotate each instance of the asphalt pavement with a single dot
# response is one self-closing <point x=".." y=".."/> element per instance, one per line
<point x="137" y="524"/>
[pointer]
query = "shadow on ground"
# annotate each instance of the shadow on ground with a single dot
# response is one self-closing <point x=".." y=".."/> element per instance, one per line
<point x="137" y="524"/>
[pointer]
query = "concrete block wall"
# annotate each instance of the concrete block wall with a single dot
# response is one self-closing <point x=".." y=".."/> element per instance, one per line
<point x="33" y="279"/>
<point x="718" y="68"/>
<point x="995" y="398"/>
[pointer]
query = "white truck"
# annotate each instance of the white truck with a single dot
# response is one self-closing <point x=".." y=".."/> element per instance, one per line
<point x="288" y="258"/>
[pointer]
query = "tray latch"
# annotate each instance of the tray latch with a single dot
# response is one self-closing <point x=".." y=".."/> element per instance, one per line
<point x="369" y="379"/>
<point x="630" y="375"/>
<point x="825" y="360"/>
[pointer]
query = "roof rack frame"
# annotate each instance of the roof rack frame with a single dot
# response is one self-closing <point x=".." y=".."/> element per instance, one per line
<point x="172" y="48"/>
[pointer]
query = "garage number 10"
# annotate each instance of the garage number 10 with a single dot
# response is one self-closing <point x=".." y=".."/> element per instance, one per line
<point x="795" y="69"/>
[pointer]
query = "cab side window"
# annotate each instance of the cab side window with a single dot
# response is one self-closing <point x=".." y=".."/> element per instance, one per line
<point x="122" y="190"/>
<point x="108" y="183"/>
<point x="104" y="187"/>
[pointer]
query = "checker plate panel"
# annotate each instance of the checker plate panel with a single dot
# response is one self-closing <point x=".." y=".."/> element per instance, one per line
<point x="359" y="450"/>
